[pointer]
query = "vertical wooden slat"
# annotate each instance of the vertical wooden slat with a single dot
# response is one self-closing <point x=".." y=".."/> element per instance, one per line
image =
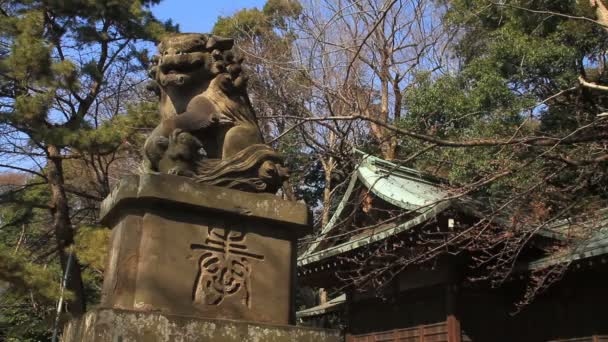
<point x="453" y="324"/>
<point x="423" y="333"/>
<point x="347" y="314"/>
<point x="454" y="334"/>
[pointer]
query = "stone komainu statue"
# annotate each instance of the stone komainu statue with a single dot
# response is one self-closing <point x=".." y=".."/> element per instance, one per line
<point x="208" y="127"/>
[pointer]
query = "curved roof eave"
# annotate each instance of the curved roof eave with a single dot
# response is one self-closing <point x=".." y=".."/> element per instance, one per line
<point x="426" y="215"/>
<point x="399" y="186"/>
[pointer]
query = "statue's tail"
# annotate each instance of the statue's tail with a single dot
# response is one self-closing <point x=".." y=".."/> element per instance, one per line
<point x="257" y="168"/>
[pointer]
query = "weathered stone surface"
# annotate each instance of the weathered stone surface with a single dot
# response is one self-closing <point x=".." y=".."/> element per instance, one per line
<point x="204" y="104"/>
<point x="104" y="325"/>
<point x="179" y="247"/>
<point x="180" y="192"/>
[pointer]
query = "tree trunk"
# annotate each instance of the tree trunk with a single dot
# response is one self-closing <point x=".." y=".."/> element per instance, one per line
<point x="385" y="135"/>
<point x="64" y="233"/>
<point x="386" y="138"/>
<point x="328" y="169"/>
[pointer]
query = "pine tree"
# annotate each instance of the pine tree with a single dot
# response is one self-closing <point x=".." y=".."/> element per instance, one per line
<point x="67" y="71"/>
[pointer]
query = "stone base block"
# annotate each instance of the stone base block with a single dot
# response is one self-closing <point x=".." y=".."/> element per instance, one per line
<point x="111" y="325"/>
<point x="183" y="248"/>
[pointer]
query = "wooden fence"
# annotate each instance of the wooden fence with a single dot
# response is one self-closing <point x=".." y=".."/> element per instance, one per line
<point x="594" y="338"/>
<point x="425" y="333"/>
<point x="438" y="333"/>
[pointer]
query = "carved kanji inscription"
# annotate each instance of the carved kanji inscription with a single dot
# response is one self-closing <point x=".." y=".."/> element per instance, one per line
<point x="224" y="267"/>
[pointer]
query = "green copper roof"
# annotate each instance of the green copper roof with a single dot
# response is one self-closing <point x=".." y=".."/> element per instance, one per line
<point x="584" y="248"/>
<point x="381" y="234"/>
<point x="424" y="196"/>
<point x="400" y="186"/>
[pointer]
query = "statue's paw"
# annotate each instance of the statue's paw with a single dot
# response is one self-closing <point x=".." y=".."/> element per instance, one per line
<point x="182" y="138"/>
<point x="175" y="134"/>
<point x="178" y="171"/>
<point x="174" y="171"/>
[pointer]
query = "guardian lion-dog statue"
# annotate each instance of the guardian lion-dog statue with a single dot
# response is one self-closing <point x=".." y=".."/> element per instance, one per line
<point x="208" y="128"/>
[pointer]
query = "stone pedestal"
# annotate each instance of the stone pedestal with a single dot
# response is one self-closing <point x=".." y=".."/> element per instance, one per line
<point x="191" y="262"/>
<point x="182" y="248"/>
<point x="107" y="325"/>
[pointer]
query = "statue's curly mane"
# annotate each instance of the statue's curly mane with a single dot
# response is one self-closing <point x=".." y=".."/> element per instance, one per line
<point x="212" y="53"/>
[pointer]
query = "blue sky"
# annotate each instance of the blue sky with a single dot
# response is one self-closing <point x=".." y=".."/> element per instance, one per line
<point x="200" y="15"/>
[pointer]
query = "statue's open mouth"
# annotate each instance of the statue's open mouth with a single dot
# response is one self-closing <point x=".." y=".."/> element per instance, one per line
<point x="181" y="63"/>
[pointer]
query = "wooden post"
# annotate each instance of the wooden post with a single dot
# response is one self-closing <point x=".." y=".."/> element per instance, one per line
<point x="453" y="323"/>
<point x="347" y="312"/>
<point x="454" y="334"/>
